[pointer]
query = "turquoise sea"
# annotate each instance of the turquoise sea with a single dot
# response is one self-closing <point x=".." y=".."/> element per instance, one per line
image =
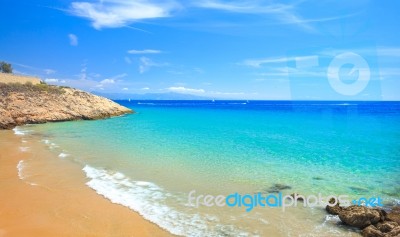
<point x="150" y="161"/>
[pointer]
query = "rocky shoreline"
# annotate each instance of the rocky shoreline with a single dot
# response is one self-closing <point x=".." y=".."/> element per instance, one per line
<point x="374" y="222"/>
<point x="32" y="104"/>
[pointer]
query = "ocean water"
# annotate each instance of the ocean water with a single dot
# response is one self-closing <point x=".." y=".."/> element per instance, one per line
<point x="150" y="161"/>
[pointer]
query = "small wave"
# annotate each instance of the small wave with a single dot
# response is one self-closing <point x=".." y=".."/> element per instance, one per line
<point x="50" y="144"/>
<point x="20" y="167"/>
<point x="18" y="131"/>
<point x="63" y="155"/>
<point x="24" y="149"/>
<point x="141" y="103"/>
<point x="149" y="200"/>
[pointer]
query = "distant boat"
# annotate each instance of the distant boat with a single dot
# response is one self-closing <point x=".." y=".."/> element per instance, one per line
<point x="213" y="101"/>
<point x="129" y="100"/>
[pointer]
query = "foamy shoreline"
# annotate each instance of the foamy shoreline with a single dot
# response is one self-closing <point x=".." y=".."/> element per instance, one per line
<point x="38" y="187"/>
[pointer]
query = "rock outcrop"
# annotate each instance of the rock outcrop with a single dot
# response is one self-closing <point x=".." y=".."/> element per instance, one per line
<point x="360" y="216"/>
<point x="27" y="103"/>
<point x="374" y="222"/>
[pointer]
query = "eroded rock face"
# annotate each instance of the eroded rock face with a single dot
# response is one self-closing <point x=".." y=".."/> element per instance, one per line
<point x="371" y="231"/>
<point x="394" y="215"/>
<point x="360" y="216"/>
<point x="393" y="233"/>
<point x="39" y="104"/>
<point x="386" y="226"/>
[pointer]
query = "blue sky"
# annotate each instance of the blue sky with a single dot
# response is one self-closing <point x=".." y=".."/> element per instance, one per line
<point x="250" y="49"/>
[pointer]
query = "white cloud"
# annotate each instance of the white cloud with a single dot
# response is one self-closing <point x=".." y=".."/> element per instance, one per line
<point x="51" y="80"/>
<point x="120" y="13"/>
<point x="181" y="89"/>
<point x="125" y="89"/>
<point x="145" y="88"/>
<point x="107" y="81"/>
<point x="54" y="80"/>
<point x="147" y="63"/>
<point x="73" y="39"/>
<point x="144" y="51"/>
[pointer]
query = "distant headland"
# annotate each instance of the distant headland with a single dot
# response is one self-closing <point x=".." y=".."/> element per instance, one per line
<point x="28" y="100"/>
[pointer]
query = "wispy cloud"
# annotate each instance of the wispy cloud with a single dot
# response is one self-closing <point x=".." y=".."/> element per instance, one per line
<point x="283" y="13"/>
<point x="147" y="63"/>
<point x="144" y="51"/>
<point x="260" y="62"/>
<point x="181" y="89"/>
<point x="49" y="71"/>
<point x="120" y="13"/>
<point x="388" y="51"/>
<point x="83" y="74"/>
<point x="73" y="39"/>
<point x="128" y="60"/>
<point x="35" y="70"/>
<point x="251" y="7"/>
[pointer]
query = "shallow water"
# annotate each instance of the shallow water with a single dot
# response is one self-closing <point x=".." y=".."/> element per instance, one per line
<point x="151" y="160"/>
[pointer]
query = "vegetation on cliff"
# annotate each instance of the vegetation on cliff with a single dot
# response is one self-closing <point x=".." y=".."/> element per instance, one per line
<point x="6" y="67"/>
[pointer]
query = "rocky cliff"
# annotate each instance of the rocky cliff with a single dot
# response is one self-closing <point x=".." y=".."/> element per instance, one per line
<point x="27" y="103"/>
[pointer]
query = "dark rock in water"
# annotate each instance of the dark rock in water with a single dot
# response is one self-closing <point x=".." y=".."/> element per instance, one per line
<point x="386" y="226"/>
<point x="276" y="188"/>
<point x="333" y="210"/>
<point x="360" y="216"/>
<point x="358" y="190"/>
<point x="297" y="196"/>
<point x="317" y="178"/>
<point x="371" y="231"/>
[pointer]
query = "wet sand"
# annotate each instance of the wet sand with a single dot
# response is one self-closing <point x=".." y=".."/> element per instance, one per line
<point x="52" y="199"/>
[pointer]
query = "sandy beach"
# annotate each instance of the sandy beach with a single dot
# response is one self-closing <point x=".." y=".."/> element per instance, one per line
<point x="47" y="196"/>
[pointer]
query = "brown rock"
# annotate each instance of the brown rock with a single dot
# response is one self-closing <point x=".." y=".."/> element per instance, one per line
<point x="360" y="216"/>
<point x="386" y="226"/>
<point x="371" y="231"/>
<point x="393" y="233"/>
<point x="393" y="216"/>
<point x="333" y="210"/>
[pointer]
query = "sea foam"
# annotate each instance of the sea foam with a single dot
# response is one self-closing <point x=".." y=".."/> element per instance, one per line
<point x="18" y="131"/>
<point x="20" y="167"/>
<point x="149" y="200"/>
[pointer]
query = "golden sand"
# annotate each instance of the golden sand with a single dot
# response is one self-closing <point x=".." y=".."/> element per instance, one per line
<point x="53" y="200"/>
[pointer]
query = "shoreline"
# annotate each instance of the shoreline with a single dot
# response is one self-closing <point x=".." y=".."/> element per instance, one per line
<point x="45" y="195"/>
